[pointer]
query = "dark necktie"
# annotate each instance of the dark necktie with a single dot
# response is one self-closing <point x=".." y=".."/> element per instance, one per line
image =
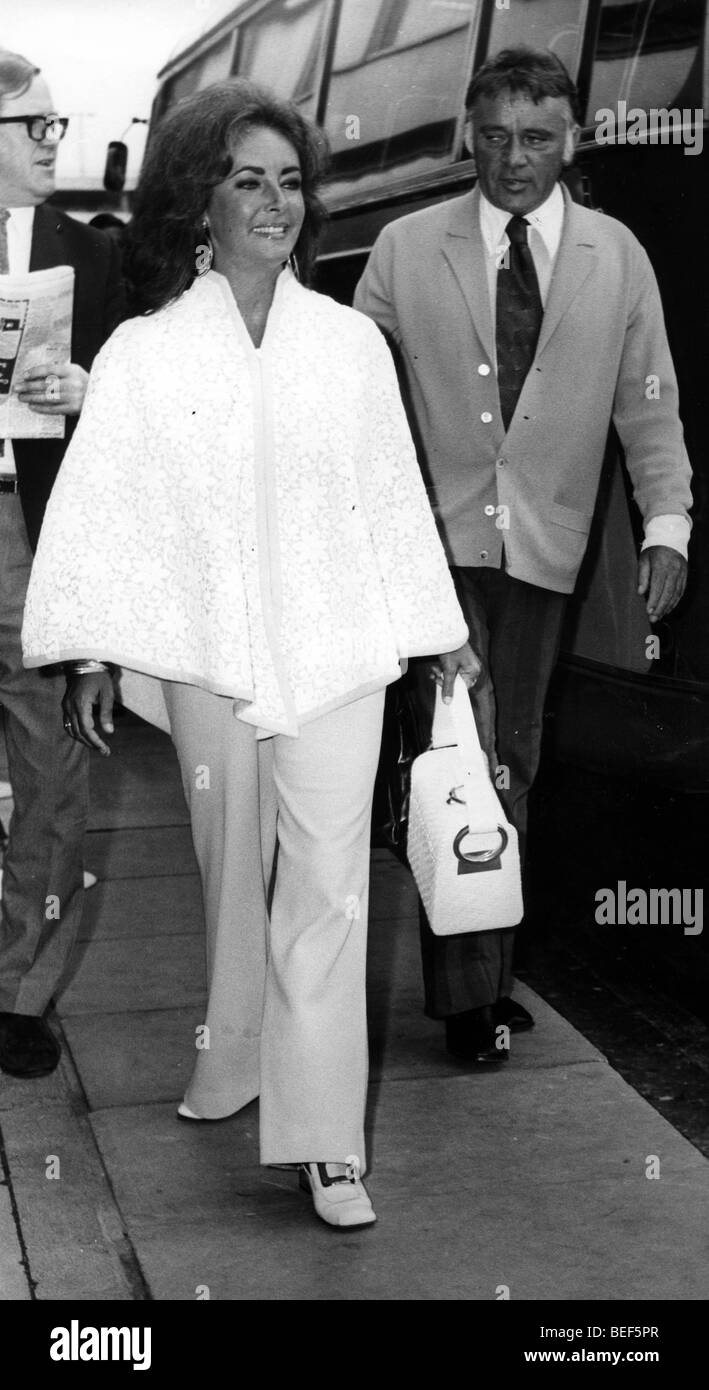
<point x="4" y="270"/>
<point x="519" y="315"/>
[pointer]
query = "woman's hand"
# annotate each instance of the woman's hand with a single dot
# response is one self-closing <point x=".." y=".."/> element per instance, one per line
<point x="462" y="662"/>
<point x="82" y="693"/>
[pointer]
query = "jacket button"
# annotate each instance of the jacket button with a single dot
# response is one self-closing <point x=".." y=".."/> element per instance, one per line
<point x="483" y="554"/>
<point x="486" y="417"/>
<point x="490" y="510"/>
<point x="483" y="369"/>
<point x="499" y="463"/>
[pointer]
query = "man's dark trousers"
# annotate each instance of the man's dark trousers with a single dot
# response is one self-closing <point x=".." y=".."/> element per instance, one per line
<point x="42" y="872"/>
<point x="515" y="630"/>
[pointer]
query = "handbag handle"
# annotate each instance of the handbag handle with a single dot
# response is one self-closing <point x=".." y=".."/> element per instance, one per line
<point x="457" y="719"/>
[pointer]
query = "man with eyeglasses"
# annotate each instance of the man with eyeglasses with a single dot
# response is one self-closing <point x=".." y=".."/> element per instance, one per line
<point x="51" y="127"/>
<point x="42" y="873"/>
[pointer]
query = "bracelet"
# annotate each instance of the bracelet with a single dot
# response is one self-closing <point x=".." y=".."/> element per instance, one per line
<point x="84" y="668"/>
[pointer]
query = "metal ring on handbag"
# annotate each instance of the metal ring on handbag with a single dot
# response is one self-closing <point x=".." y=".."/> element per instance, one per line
<point x="484" y="855"/>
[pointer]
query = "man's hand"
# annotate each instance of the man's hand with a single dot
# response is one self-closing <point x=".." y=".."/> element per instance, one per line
<point x="662" y="575"/>
<point x="82" y="693"/>
<point x="54" y="390"/>
<point x="462" y="662"/>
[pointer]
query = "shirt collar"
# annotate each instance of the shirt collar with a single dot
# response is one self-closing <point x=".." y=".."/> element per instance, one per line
<point x="21" y="219"/>
<point x="547" y="220"/>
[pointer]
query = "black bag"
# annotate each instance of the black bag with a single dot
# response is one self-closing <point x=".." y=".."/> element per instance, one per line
<point x="408" y="716"/>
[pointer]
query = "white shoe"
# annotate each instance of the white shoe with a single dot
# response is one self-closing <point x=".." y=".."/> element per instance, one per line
<point x="339" y="1198"/>
<point x="184" y="1112"/>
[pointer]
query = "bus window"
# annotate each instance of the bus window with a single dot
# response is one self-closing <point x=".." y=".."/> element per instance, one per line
<point x="281" y="48"/>
<point x="212" y="66"/>
<point x="554" y="24"/>
<point x="646" y="54"/>
<point x="398" y="79"/>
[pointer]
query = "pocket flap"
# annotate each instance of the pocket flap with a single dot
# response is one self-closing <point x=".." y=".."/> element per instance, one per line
<point x="566" y="516"/>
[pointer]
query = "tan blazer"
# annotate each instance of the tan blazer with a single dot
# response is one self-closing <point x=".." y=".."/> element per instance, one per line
<point x="602" y="355"/>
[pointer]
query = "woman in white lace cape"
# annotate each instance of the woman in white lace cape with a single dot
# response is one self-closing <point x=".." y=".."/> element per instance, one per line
<point x="240" y="533"/>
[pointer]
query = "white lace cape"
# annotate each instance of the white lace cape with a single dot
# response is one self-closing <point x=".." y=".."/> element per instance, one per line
<point x="250" y="521"/>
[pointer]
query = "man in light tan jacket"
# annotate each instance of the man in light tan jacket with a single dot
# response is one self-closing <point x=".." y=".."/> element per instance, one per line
<point x="526" y="324"/>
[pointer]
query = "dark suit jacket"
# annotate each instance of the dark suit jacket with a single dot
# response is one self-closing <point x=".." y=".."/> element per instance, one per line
<point x="98" y="308"/>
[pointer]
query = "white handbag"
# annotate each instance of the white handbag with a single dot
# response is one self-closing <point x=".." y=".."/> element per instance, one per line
<point x="462" y="850"/>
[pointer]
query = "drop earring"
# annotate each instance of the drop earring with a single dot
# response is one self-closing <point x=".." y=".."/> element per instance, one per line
<point x="204" y="252"/>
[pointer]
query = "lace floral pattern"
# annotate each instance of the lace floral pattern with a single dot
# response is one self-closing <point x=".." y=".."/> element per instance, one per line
<point x="253" y="522"/>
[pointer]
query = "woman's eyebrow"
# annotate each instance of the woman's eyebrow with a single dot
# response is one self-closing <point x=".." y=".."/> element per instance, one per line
<point x="256" y="169"/>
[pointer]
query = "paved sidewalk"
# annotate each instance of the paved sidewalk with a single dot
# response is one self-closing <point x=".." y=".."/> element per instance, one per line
<point x="534" y="1181"/>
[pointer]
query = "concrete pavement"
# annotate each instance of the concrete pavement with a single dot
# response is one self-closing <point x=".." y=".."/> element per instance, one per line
<point x="547" y="1178"/>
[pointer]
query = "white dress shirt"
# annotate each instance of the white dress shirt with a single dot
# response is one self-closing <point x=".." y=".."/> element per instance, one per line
<point x="19" y="239"/>
<point x="545" y="223"/>
<point x="545" y="227"/>
<point x="19" y="244"/>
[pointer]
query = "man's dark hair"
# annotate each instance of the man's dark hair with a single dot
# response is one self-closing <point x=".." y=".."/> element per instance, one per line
<point x="189" y="154"/>
<point x="16" y="74"/>
<point x="536" y="72"/>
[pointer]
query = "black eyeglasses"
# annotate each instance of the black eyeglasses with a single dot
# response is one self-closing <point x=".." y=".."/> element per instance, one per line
<point x="40" y="127"/>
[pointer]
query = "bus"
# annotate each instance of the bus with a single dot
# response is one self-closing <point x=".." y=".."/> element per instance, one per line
<point x="386" y="79"/>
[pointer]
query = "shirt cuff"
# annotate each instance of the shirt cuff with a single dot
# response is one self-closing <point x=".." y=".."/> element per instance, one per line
<point x="668" y="530"/>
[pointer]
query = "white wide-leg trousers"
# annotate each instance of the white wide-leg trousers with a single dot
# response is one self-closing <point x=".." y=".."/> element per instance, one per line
<point x="286" y="1017"/>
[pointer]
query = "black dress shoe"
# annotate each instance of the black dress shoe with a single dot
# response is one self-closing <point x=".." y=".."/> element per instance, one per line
<point x="472" y="1037"/>
<point x="512" y="1014"/>
<point x="28" y="1047"/>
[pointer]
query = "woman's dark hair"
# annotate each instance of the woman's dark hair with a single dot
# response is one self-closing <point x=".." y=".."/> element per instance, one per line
<point x="537" y="72"/>
<point x="189" y="154"/>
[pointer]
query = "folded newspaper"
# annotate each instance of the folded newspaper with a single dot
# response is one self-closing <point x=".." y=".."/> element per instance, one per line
<point x="35" y="331"/>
